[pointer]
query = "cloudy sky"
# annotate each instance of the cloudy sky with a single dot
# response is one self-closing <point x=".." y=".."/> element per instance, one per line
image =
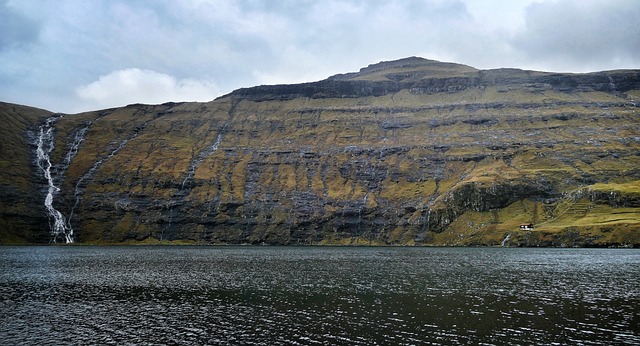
<point x="77" y="55"/>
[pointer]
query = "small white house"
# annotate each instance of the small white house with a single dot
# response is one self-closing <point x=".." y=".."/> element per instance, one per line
<point x="526" y="227"/>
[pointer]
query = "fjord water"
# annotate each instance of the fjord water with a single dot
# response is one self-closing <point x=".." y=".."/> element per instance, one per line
<point x="318" y="295"/>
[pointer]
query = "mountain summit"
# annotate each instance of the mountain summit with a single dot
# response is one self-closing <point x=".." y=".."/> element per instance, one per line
<point x="413" y="68"/>
<point x="411" y="152"/>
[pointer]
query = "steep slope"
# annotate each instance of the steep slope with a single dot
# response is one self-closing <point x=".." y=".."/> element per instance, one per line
<point x="412" y="151"/>
<point x="18" y="221"/>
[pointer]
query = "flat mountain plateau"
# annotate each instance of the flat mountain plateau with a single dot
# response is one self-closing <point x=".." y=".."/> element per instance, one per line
<point x="406" y="152"/>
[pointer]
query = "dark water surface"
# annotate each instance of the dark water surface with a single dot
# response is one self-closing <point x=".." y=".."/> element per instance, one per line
<point x="318" y="295"/>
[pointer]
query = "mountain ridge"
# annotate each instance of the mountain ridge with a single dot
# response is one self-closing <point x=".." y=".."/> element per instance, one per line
<point x="431" y="76"/>
<point x="407" y="152"/>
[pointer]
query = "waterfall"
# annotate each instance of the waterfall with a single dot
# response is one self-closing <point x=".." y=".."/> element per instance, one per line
<point x="77" y="192"/>
<point x="45" y="145"/>
<point x="203" y="155"/>
<point x="77" y="139"/>
<point x="364" y="205"/>
<point x="193" y="165"/>
<point x="505" y="240"/>
<point x="426" y="224"/>
<point x="612" y="85"/>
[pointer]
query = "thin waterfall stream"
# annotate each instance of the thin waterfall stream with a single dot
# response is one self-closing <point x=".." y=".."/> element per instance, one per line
<point x="193" y="165"/>
<point x="45" y="145"/>
<point x="79" y="189"/>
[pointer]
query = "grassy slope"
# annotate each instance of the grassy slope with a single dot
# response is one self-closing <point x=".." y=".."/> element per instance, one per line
<point x="564" y="145"/>
<point x="16" y="169"/>
<point x="426" y="147"/>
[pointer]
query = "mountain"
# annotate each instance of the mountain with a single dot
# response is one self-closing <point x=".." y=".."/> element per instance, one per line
<point x="412" y="152"/>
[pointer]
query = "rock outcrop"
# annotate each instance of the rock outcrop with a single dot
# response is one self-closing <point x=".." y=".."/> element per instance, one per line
<point x="412" y="151"/>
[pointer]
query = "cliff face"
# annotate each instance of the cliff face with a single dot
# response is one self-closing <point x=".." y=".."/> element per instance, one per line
<point x="406" y="152"/>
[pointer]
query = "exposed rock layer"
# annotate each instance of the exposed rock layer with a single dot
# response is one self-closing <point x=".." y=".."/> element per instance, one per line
<point x="406" y="152"/>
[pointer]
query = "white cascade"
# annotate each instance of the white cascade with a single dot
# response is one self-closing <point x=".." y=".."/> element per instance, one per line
<point x="77" y="139"/>
<point x="364" y="205"/>
<point x="612" y="85"/>
<point x="77" y="192"/>
<point x="505" y="240"/>
<point x="203" y="155"/>
<point x="426" y="224"/>
<point x="45" y="145"/>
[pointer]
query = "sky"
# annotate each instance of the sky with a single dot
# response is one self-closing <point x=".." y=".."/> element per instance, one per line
<point x="76" y="55"/>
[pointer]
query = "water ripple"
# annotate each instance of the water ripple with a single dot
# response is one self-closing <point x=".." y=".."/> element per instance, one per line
<point x="311" y="296"/>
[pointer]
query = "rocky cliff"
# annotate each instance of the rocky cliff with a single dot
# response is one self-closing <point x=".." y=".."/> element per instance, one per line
<point x="412" y="151"/>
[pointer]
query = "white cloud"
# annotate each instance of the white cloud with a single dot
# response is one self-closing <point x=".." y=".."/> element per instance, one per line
<point x="134" y="85"/>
